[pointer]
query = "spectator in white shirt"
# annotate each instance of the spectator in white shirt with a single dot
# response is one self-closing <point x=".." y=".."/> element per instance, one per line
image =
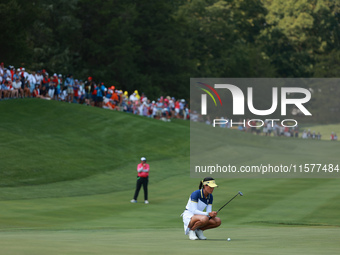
<point x="16" y="88"/>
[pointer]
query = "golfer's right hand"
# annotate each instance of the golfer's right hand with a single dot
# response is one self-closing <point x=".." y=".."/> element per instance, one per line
<point x="213" y="214"/>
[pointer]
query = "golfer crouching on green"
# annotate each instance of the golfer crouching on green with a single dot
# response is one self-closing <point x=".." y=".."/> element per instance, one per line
<point x="194" y="218"/>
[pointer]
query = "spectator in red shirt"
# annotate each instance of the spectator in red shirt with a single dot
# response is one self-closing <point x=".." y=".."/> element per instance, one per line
<point x="142" y="179"/>
<point x="55" y="82"/>
<point x="45" y="83"/>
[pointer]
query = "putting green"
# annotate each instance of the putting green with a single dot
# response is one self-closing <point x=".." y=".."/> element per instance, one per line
<point x="244" y="240"/>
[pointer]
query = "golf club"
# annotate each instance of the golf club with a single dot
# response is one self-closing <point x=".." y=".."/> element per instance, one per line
<point x="239" y="193"/>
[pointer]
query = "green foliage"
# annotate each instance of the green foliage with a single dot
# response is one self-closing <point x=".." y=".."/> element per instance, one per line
<point x="298" y="32"/>
<point x="325" y="110"/>
<point x="328" y="66"/>
<point x="223" y="38"/>
<point x="54" y="37"/>
<point x="17" y="17"/>
<point x="156" y="46"/>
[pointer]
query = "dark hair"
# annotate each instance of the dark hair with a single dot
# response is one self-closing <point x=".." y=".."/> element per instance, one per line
<point x="204" y="180"/>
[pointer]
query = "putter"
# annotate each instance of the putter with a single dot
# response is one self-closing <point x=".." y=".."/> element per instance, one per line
<point x="239" y="193"/>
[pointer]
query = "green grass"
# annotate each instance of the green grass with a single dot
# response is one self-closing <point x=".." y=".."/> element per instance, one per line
<point x="52" y="142"/>
<point x="67" y="174"/>
<point x="244" y="240"/>
<point x="211" y="146"/>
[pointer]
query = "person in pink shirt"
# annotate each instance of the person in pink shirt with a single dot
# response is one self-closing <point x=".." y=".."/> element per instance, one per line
<point x="177" y="109"/>
<point x="142" y="179"/>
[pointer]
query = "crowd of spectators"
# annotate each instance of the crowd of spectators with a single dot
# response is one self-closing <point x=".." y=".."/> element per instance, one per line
<point x="19" y="83"/>
<point x="334" y="136"/>
<point x="311" y="135"/>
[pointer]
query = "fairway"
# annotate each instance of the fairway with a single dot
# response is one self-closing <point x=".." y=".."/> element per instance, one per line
<point x="68" y="174"/>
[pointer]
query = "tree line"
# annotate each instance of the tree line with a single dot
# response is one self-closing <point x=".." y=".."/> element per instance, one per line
<point x="156" y="46"/>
